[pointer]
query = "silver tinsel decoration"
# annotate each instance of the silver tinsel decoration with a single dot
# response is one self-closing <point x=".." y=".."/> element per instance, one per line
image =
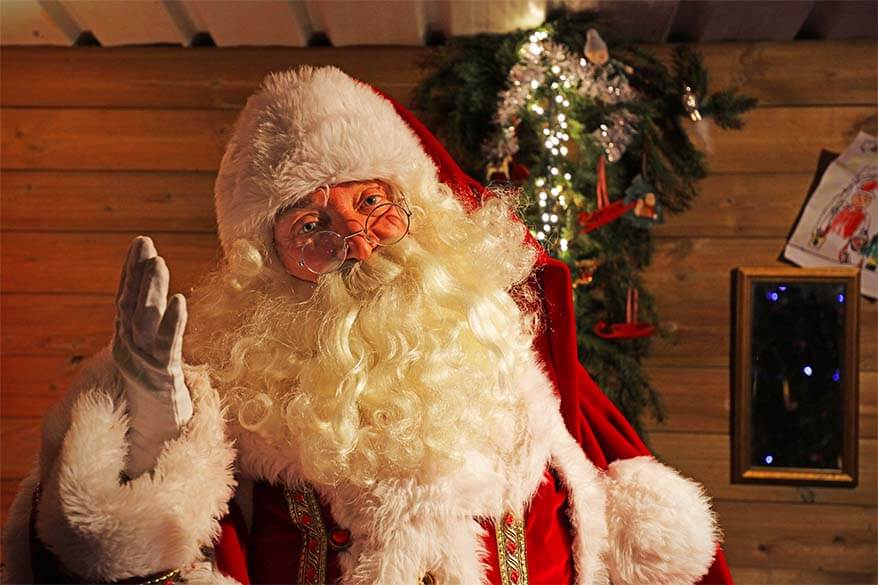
<point x="548" y="67"/>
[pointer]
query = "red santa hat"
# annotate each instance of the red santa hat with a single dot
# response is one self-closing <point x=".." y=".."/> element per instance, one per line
<point x="310" y="127"/>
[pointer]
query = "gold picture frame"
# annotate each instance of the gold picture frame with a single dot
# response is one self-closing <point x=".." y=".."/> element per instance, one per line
<point x="795" y="424"/>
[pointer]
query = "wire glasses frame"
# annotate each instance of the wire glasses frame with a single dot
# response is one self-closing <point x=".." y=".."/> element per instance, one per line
<point x="327" y="250"/>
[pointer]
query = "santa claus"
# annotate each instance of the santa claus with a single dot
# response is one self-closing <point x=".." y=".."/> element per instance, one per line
<point x="380" y="385"/>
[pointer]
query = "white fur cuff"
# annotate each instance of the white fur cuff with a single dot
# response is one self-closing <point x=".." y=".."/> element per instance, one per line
<point x="104" y="530"/>
<point x="662" y="530"/>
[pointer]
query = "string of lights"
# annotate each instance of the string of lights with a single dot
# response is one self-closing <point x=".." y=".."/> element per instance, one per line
<point x="543" y="85"/>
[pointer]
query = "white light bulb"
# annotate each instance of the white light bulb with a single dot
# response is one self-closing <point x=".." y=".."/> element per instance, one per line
<point x="563" y="245"/>
<point x="540" y="181"/>
<point x="553" y="170"/>
<point x="559" y="99"/>
<point x="554" y="151"/>
<point x="564" y="151"/>
<point x="539" y="110"/>
<point x="546" y="131"/>
<point x="561" y="117"/>
<point x="543" y="195"/>
<point x="562" y="200"/>
<point x="547" y="227"/>
<point x="534" y="83"/>
<point x="568" y="176"/>
<point x="556" y="189"/>
<point x="542" y="202"/>
<point x="541" y="236"/>
<point x="548" y="144"/>
<point x="545" y="217"/>
<point x="556" y="70"/>
<point x="553" y="218"/>
<point x="566" y="104"/>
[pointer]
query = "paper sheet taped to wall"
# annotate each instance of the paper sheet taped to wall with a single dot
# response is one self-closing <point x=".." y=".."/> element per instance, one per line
<point x="839" y="225"/>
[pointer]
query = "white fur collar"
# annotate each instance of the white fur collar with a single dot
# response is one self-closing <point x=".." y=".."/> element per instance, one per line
<point x="402" y="529"/>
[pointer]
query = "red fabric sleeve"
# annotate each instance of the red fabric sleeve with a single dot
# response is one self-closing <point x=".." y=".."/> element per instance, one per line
<point x="590" y="416"/>
<point x="230" y="553"/>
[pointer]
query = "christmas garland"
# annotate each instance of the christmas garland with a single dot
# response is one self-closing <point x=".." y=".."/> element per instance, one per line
<point x="594" y="135"/>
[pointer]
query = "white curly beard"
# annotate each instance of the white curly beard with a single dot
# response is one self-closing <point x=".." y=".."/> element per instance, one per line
<point x="394" y="367"/>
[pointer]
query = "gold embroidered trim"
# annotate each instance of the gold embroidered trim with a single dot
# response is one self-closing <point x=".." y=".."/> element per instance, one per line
<point x="511" y="550"/>
<point x="305" y="513"/>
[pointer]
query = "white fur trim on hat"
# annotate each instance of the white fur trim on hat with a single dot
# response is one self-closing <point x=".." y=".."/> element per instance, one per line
<point x="306" y="128"/>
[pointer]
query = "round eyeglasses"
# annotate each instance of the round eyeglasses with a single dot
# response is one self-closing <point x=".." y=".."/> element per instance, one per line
<point x="325" y="251"/>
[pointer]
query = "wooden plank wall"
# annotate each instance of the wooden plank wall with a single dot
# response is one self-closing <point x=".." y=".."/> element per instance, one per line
<point x="99" y="145"/>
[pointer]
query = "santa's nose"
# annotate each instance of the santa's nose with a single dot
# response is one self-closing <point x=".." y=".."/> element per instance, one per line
<point x="358" y="247"/>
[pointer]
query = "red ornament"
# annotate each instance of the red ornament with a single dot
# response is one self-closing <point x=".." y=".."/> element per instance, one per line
<point x="518" y="173"/>
<point x="606" y="211"/>
<point x="630" y="329"/>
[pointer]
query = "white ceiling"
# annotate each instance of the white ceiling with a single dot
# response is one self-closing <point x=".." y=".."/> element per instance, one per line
<point x="297" y="23"/>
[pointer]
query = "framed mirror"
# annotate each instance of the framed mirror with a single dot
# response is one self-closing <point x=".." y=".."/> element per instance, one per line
<point x="795" y="376"/>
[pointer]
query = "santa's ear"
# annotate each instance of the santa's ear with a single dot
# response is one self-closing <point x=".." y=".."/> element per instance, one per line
<point x="661" y="528"/>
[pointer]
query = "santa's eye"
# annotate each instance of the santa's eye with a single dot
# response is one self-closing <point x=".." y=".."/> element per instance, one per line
<point x="308" y="227"/>
<point x="372" y="199"/>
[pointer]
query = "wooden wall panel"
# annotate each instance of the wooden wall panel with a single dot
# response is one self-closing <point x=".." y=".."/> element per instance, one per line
<point x="193" y="140"/>
<point x="200" y="77"/>
<point x="800" y="536"/>
<point x="787" y="74"/>
<point x="41" y="262"/>
<point x="136" y="202"/>
<point x="46" y="325"/>
<point x="132" y="146"/>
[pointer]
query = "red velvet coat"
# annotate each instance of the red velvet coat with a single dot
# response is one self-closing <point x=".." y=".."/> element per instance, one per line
<point x="268" y="552"/>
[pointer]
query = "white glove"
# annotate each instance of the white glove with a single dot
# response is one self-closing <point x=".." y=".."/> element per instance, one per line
<point x="148" y="352"/>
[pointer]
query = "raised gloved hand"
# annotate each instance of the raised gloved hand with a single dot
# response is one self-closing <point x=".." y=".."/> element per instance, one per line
<point x="148" y="352"/>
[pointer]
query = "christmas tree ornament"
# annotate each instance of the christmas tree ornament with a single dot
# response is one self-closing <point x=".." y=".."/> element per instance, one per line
<point x="647" y="207"/>
<point x="585" y="271"/>
<point x="595" y="48"/>
<point x="631" y="328"/>
<point x="692" y="108"/>
<point x="606" y="211"/>
<point x="690" y="104"/>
